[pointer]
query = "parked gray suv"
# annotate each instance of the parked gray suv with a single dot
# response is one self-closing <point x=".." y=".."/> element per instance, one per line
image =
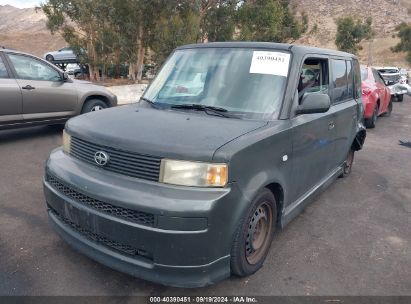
<point x="33" y="91"/>
<point x="228" y="144"/>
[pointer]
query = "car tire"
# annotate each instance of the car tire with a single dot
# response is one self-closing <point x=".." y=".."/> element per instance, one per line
<point x="389" y="110"/>
<point x="93" y="105"/>
<point x="370" y="122"/>
<point x="400" y="98"/>
<point x="49" y="57"/>
<point x="254" y="235"/>
<point x="347" y="167"/>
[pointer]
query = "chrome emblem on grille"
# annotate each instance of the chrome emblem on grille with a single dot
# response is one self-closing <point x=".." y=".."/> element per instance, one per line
<point x="101" y="158"/>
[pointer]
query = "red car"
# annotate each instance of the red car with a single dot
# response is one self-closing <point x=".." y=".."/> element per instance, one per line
<point x="376" y="96"/>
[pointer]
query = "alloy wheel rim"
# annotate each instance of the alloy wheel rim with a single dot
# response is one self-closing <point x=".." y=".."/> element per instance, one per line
<point x="96" y="108"/>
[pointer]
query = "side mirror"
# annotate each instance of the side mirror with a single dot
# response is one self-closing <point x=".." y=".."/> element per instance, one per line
<point x="314" y="103"/>
<point x="64" y="76"/>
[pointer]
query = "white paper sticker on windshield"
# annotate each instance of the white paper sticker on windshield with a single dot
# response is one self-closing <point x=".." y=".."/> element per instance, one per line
<point x="272" y="63"/>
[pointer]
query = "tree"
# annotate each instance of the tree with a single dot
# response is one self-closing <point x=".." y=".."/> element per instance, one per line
<point x="121" y="31"/>
<point x="351" y="32"/>
<point x="404" y="33"/>
<point x="81" y="28"/>
<point x="218" y="20"/>
<point x="177" y="23"/>
<point x="269" y="20"/>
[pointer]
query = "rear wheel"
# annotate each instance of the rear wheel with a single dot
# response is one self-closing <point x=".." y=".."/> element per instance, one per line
<point x="389" y="109"/>
<point x="93" y="105"/>
<point x="370" y="122"/>
<point x="347" y="167"/>
<point x="254" y="235"/>
<point x="49" y="57"/>
<point x="400" y="98"/>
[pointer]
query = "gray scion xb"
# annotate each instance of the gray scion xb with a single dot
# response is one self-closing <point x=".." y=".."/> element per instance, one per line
<point x="228" y="144"/>
<point x="34" y="91"/>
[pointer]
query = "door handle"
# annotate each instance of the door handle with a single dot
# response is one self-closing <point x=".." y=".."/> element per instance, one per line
<point x="331" y="125"/>
<point x="28" y="87"/>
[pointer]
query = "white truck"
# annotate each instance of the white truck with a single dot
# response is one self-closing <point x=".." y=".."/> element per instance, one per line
<point x="393" y="80"/>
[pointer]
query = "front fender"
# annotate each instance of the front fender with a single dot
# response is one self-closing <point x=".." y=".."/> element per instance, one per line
<point x="259" y="159"/>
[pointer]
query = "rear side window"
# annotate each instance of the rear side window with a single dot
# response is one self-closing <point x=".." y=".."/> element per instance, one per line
<point x="3" y="70"/>
<point x="350" y="79"/>
<point x="357" y="78"/>
<point x="340" y="91"/>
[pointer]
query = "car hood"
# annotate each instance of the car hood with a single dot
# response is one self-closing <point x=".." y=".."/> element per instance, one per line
<point x="163" y="133"/>
<point x="76" y="81"/>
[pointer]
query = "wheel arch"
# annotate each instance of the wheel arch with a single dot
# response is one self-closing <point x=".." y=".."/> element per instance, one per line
<point x="359" y="139"/>
<point x="278" y="192"/>
<point x="101" y="97"/>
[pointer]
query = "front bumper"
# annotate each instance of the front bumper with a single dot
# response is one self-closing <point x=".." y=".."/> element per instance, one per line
<point x="186" y="242"/>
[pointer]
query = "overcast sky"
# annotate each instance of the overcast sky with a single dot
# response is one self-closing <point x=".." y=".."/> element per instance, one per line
<point x="21" y="3"/>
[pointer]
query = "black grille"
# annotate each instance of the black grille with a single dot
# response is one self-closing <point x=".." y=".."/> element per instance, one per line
<point x="138" y="217"/>
<point x="122" y="162"/>
<point x="97" y="238"/>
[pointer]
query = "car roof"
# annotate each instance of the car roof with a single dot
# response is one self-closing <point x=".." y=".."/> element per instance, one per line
<point x="387" y="68"/>
<point x="16" y="52"/>
<point x="295" y="48"/>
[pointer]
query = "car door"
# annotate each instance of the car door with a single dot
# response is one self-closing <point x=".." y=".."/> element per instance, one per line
<point x="44" y="93"/>
<point x="11" y="105"/>
<point x="312" y="134"/>
<point x="345" y="99"/>
<point x="66" y="54"/>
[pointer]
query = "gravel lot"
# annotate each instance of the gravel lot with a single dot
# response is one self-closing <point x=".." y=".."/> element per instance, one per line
<point x="353" y="240"/>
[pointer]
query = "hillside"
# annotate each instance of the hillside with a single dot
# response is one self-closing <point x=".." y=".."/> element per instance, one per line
<point x="25" y="29"/>
<point x="386" y="15"/>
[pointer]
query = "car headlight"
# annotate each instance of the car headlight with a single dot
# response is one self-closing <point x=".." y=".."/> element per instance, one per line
<point x="66" y="141"/>
<point x="190" y="173"/>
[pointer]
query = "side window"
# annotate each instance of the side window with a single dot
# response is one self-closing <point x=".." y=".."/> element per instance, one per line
<point x="313" y="77"/>
<point x="350" y="79"/>
<point x="3" y="70"/>
<point x="30" y="68"/>
<point x="339" y="81"/>
<point x="359" y="74"/>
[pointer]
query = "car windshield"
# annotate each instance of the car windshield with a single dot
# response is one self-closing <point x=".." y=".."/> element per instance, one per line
<point x="364" y="74"/>
<point x="248" y="83"/>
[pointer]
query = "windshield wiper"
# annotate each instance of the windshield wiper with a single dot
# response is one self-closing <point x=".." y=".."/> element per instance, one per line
<point x="149" y="101"/>
<point x="207" y="109"/>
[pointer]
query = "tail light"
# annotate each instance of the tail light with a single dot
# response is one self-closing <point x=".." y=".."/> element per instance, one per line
<point x="366" y="91"/>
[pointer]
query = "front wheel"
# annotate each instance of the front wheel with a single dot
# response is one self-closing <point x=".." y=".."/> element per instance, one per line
<point x="254" y="235"/>
<point x="49" y="58"/>
<point x="93" y="105"/>
<point x="400" y="98"/>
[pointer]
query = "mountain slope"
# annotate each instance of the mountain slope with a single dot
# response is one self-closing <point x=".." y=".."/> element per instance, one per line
<point x="386" y="15"/>
<point x="25" y="30"/>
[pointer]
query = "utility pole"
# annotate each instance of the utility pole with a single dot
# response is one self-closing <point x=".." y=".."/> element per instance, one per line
<point x="370" y="59"/>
